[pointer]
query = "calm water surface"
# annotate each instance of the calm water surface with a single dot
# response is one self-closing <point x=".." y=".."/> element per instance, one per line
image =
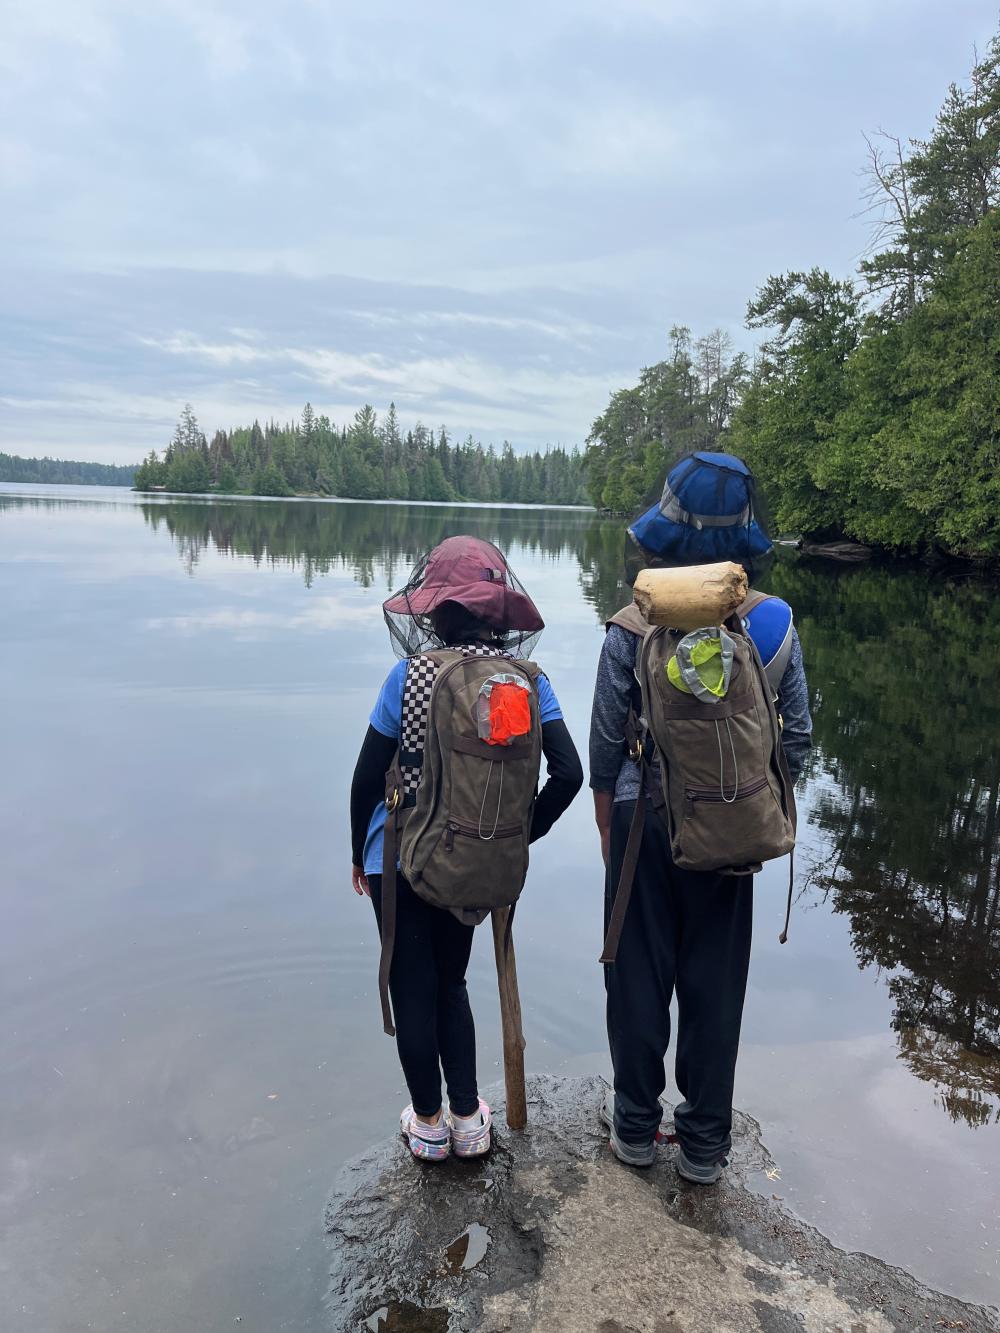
<point x="191" y="1041"/>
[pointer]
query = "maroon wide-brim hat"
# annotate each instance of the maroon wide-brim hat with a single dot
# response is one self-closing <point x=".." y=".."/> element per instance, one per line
<point x="472" y="572"/>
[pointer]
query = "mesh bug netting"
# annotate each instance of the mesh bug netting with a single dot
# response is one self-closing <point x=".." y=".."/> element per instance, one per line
<point x="462" y="592"/>
<point x="707" y="510"/>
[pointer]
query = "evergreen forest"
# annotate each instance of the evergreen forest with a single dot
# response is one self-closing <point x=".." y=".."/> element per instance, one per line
<point x="872" y="408"/>
<point x="62" y="471"/>
<point x="367" y="460"/>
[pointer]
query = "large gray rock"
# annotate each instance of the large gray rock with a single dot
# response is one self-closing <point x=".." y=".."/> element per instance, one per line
<point x="550" y="1232"/>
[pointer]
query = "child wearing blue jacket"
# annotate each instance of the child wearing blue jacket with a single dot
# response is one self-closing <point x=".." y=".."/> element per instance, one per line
<point x="461" y="596"/>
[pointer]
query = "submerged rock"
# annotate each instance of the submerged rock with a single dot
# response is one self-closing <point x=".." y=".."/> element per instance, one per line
<point x="551" y="1232"/>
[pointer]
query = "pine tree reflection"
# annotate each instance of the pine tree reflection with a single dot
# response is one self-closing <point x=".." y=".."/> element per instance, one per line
<point x="907" y="715"/>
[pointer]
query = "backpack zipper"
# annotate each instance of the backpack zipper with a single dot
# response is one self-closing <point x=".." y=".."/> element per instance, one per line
<point x="694" y="794"/>
<point x="454" y="827"/>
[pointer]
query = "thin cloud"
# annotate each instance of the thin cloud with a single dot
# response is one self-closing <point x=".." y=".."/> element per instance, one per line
<point x="492" y="214"/>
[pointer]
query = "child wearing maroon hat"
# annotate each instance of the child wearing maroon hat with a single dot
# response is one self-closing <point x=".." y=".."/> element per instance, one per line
<point x="461" y="596"/>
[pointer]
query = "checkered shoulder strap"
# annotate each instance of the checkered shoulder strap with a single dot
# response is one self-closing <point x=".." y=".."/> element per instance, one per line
<point x="420" y="676"/>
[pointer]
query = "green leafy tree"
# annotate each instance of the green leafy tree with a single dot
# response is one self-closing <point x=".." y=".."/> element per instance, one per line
<point x="188" y="471"/>
<point x="939" y="451"/>
<point x="435" y="483"/>
<point x="682" y="403"/>
<point x="877" y="418"/>
<point x="228" y="481"/>
<point x="270" y="480"/>
<point x="796" y="389"/>
<point x="150" y="472"/>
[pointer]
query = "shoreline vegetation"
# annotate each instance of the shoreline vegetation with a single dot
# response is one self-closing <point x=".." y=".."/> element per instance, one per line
<point x="872" y="411"/>
<point x="367" y="460"/>
<point x="63" y="472"/>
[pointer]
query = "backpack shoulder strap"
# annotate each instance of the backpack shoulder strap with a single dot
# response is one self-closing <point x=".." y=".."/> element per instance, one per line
<point x="420" y="676"/>
<point x="775" y="669"/>
<point x="531" y="668"/>
<point x="778" y="649"/>
<point x="631" y="619"/>
<point x="750" y="603"/>
<point x="626" y="878"/>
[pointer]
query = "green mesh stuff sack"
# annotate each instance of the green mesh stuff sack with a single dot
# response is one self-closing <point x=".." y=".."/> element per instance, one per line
<point x="703" y="664"/>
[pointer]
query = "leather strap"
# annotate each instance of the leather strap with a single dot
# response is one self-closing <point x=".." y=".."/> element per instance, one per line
<point x="783" y="937"/>
<point x="390" y="839"/>
<point x="388" y="921"/>
<point x="482" y="750"/>
<point x="633" y="736"/>
<point x="623" y="893"/>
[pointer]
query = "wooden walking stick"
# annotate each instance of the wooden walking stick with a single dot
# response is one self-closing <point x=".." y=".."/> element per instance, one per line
<point x="510" y="1019"/>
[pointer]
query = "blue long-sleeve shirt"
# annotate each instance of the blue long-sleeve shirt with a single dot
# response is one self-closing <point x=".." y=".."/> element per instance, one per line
<point x="611" y="770"/>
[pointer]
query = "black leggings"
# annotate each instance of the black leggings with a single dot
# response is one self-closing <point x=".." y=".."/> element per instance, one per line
<point x="430" y="1004"/>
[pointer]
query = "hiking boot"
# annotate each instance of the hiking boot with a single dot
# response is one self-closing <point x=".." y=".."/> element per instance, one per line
<point x="470" y="1135"/>
<point x="632" y="1154"/>
<point x="431" y="1143"/>
<point x="699" y="1173"/>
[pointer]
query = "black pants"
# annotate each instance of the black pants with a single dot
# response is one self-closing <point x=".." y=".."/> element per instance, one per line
<point x="430" y="1004"/>
<point x="688" y="932"/>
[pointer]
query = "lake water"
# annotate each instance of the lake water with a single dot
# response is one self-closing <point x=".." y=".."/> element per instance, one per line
<point x="191" y="1041"/>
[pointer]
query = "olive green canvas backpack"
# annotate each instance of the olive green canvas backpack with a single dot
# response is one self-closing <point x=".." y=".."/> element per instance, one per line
<point x="724" y="791"/>
<point x="461" y="789"/>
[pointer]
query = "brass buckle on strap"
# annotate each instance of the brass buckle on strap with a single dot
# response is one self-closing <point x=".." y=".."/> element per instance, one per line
<point x="392" y="802"/>
<point x="636" y="754"/>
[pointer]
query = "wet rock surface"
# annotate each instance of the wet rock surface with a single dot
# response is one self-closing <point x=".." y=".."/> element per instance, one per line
<point x="551" y="1232"/>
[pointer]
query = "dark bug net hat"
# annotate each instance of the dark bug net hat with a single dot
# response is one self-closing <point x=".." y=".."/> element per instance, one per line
<point x="462" y="591"/>
<point x="709" y="510"/>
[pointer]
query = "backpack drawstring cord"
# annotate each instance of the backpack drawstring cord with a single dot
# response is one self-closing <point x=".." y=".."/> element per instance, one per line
<point x="722" y="767"/>
<point x="482" y="808"/>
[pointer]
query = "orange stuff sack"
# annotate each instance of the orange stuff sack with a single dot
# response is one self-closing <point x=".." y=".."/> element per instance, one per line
<point x="510" y="713"/>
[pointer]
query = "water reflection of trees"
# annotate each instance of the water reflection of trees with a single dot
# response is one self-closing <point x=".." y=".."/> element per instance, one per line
<point x="374" y="542"/>
<point x="904" y="673"/>
<point x="902" y="670"/>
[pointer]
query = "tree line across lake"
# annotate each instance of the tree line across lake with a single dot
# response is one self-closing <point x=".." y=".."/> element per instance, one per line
<point x="872" y="410"/>
<point x="63" y="471"/>
<point x="367" y="460"/>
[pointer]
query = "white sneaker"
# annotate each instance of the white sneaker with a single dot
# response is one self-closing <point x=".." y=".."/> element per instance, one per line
<point x="470" y="1135"/>
<point x="431" y="1143"/>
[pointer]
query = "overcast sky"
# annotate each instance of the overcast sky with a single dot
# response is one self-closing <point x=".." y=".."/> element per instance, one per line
<point x="491" y="214"/>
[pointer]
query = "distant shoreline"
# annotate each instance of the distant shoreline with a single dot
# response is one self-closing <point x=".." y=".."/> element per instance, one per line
<point x="222" y="496"/>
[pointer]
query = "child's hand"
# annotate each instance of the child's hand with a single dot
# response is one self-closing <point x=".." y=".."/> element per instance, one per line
<point x="359" y="881"/>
